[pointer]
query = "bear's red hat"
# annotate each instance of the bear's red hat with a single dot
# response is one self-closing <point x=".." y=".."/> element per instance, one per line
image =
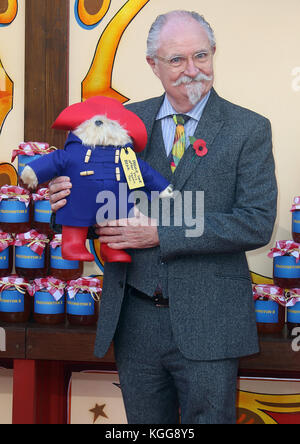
<point x="72" y="116"/>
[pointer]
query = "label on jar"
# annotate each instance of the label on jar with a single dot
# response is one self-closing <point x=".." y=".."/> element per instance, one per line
<point x="13" y="211"/>
<point x="57" y="262"/>
<point x="267" y="312"/>
<point x="44" y="303"/>
<point x="82" y="305"/>
<point x="24" y="160"/>
<point x="296" y="222"/>
<point x="26" y="258"/>
<point x="286" y="267"/>
<point x="42" y="211"/>
<point x="4" y="259"/>
<point x="11" y="301"/>
<point x="293" y="314"/>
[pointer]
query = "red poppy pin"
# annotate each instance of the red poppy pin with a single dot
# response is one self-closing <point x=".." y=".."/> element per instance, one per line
<point x="199" y="146"/>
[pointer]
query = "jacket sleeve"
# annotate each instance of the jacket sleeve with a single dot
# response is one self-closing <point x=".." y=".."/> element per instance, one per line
<point x="50" y="165"/>
<point x="249" y="223"/>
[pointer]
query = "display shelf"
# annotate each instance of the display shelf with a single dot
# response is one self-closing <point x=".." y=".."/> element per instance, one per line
<point x="63" y="343"/>
<point x="15" y="347"/>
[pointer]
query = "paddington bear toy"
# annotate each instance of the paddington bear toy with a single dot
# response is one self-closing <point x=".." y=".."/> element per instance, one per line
<point x="102" y="134"/>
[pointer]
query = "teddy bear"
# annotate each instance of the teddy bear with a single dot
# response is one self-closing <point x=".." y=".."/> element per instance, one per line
<point x="99" y="157"/>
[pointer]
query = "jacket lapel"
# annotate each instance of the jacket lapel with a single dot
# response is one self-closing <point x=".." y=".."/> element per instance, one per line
<point x="207" y="129"/>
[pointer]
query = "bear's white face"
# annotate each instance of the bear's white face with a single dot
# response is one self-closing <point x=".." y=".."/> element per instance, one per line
<point x="100" y="130"/>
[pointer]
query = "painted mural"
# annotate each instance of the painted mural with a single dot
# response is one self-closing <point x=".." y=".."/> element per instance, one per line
<point x="8" y="13"/>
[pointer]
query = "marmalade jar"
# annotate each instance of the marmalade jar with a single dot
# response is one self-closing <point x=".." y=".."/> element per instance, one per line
<point x="31" y="255"/>
<point x="49" y="301"/>
<point x="269" y="308"/>
<point x="286" y="264"/>
<point x="42" y="212"/>
<point x="83" y="297"/>
<point x="6" y="254"/>
<point x="60" y="268"/>
<point x="296" y="226"/>
<point x="296" y="219"/>
<point x="15" y="300"/>
<point x="15" y="209"/>
<point x="26" y="153"/>
<point x="293" y="308"/>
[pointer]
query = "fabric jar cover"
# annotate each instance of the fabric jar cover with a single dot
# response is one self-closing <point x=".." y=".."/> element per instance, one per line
<point x="56" y="241"/>
<point x="20" y="284"/>
<point x="15" y="193"/>
<point x="286" y="247"/>
<point x="296" y="204"/>
<point x="271" y="292"/>
<point x="34" y="240"/>
<point x="54" y="286"/>
<point x="292" y="296"/>
<point x="85" y="284"/>
<point x="41" y="194"/>
<point x="6" y="240"/>
<point x="32" y="149"/>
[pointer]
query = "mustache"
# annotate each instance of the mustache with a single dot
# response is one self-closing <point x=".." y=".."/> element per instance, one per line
<point x="186" y="80"/>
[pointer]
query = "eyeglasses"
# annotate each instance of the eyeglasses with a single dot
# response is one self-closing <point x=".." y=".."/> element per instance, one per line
<point x="180" y="62"/>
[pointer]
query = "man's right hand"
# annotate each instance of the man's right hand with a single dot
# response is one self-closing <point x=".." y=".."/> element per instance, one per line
<point x="59" y="189"/>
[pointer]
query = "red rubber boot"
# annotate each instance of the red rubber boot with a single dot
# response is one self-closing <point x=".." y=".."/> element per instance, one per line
<point x="110" y="255"/>
<point x="73" y="244"/>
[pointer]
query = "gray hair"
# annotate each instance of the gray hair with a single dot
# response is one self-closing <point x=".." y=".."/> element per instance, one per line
<point x="161" y="20"/>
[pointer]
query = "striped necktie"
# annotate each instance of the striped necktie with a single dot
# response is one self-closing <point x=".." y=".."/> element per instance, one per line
<point x="179" y="140"/>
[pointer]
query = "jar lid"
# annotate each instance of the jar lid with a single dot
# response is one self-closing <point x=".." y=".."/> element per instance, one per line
<point x="41" y="194"/>
<point x="296" y="204"/>
<point x="271" y="292"/>
<point x="285" y="248"/>
<point x="54" y="286"/>
<point x="35" y="241"/>
<point x="20" y="284"/>
<point x="85" y="284"/>
<point x="32" y="149"/>
<point x="15" y="193"/>
<point x="6" y="240"/>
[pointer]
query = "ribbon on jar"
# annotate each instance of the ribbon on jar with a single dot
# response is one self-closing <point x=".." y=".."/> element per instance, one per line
<point x="6" y="240"/>
<point x="32" y="239"/>
<point x="32" y="149"/>
<point x="283" y="248"/>
<point x="20" y="284"/>
<point x="270" y="292"/>
<point x="85" y="284"/>
<point x="56" y="241"/>
<point x="296" y="204"/>
<point x="42" y="194"/>
<point x="15" y="192"/>
<point x="55" y="287"/>
<point x="292" y="296"/>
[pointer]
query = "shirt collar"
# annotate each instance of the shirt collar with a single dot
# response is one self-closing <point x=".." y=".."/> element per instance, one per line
<point x="167" y="109"/>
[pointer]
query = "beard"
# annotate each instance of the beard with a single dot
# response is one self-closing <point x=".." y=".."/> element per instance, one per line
<point x="194" y="86"/>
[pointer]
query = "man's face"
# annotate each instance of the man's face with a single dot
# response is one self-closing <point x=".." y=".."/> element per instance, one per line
<point x="186" y="85"/>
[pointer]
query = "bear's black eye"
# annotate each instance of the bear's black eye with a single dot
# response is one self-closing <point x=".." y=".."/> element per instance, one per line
<point x="98" y="122"/>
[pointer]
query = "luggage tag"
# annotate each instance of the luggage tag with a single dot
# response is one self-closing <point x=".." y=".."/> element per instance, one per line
<point x="131" y="169"/>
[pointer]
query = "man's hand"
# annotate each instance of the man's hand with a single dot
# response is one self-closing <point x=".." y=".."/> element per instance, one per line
<point x="134" y="232"/>
<point x="59" y="189"/>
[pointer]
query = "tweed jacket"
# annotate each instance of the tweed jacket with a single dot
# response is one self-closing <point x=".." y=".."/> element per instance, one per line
<point x="205" y="277"/>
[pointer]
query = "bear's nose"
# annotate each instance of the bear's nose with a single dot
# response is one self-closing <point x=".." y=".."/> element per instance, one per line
<point x="98" y="122"/>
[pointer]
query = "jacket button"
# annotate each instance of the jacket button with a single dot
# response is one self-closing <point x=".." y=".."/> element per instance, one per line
<point x="121" y="284"/>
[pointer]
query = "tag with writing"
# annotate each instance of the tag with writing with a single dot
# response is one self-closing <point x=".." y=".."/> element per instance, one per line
<point x="131" y="169"/>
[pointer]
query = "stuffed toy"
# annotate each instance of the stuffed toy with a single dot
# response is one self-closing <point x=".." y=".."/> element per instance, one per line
<point x="99" y="156"/>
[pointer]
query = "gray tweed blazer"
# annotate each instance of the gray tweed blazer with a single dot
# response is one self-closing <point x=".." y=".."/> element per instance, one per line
<point x="206" y="278"/>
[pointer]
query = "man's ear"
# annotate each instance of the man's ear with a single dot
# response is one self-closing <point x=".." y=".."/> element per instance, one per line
<point x="151" y="62"/>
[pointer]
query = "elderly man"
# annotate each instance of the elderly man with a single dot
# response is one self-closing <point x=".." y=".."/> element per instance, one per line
<point x="181" y="314"/>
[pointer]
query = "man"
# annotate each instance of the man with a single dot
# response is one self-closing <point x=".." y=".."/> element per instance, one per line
<point x="181" y="315"/>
